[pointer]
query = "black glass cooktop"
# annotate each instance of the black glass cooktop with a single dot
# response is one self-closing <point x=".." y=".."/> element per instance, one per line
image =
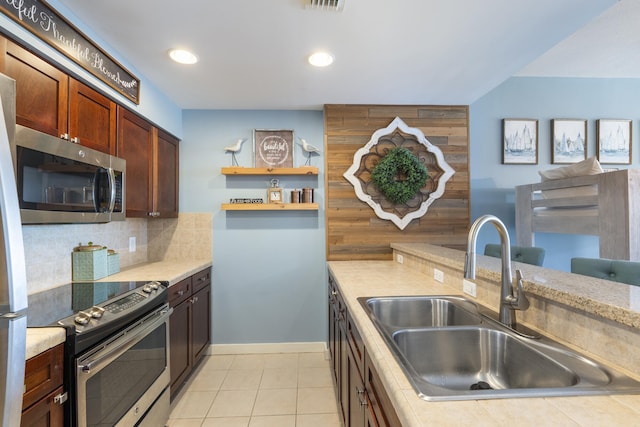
<point x="47" y="307"/>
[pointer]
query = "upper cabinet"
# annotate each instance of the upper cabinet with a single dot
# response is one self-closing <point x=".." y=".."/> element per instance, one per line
<point x="152" y="167"/>
<point x="92" y="118"/>
<point x="166" y="168"/>
<point x="42" y="91"/>
<point x="50" y="101"/>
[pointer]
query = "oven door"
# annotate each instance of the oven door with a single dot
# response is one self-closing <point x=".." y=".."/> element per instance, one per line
<point x="119" y="382"/>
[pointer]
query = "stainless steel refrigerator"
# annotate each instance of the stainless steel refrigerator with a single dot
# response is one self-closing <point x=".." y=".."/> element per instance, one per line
<point x="13" y="280"/>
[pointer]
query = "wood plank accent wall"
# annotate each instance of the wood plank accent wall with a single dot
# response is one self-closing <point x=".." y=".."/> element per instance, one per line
<point x="353" y="229"/>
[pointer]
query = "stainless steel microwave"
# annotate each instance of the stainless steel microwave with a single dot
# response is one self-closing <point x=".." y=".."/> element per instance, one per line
<point x="62" y="182"/>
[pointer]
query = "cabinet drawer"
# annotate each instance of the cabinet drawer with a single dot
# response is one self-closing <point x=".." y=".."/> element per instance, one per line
<point x="179" y="292"/>
<point x="46" y="413"/>
<point x="201" y="279"/>
<point x="43" y="374"/>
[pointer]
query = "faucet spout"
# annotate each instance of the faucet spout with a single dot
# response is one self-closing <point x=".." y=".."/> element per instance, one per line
<point x="508" y="301"/>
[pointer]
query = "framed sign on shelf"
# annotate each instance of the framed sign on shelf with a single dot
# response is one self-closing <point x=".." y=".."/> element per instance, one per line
<point x="273" y="148"/>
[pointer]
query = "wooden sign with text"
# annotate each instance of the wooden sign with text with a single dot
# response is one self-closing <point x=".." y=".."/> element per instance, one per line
<point x="46" y="23"/>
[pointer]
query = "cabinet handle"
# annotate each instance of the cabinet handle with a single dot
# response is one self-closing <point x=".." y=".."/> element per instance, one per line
<point x="64" y="136"/>
<point x="361" y="395"/>
<point x="334" y="293"/>
<point x="194" y="300"/>
<point x="75" y="140"/>
<point x="180" y="293"/>
<point x="61" y="398"/>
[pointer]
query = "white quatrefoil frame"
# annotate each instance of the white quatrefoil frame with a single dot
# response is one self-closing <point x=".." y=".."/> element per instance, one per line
<point x="400" y="221"/>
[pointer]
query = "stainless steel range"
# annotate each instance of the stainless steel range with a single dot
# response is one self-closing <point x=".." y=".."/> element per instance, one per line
<point x="116" y="352"/>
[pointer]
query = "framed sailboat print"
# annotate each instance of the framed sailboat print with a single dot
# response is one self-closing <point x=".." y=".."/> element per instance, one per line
<point x="614" y="141"/>
<point x="520" y="141"/>
<point x="568" y="140"/>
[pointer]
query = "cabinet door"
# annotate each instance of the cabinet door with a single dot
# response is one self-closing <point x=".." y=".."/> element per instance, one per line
<point x="381" y="411"/>
<point x="357" y="396"/>
<point x="333" y="334"/>
<point x="135" y="145"/>
<point x="45" y="413"/>
<point x="92" y="118"/>
<point x="42" y="91"/>
<point x="343" y="374"/>
<point x="201" y="301"/>
<point x="166" y="176"/>
<point x="180" y="346"/>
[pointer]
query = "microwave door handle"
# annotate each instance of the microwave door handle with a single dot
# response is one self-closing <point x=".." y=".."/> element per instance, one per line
<point x="112" y="187"/>
<point x="96" y="191"/>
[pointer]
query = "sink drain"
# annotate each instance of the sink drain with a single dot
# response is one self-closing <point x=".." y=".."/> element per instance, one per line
<point x="480" y="385"/>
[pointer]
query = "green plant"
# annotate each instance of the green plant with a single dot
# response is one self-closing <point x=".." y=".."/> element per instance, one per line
<point x="399" y="175"/>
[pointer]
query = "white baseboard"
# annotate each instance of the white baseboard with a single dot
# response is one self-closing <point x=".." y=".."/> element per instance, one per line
<point x="263" y="348"/>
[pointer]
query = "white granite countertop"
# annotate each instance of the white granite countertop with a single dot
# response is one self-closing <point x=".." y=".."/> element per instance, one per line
<point x="378" y="278"/>
<point x="42" y="339"/>
<point x="611" y="300"/>
<point x="173" y="271"/>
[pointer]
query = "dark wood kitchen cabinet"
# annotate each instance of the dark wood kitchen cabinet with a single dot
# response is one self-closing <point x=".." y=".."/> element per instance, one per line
<point x="49" y="100"/>
<point x="189" y="325"/>
<point x="362" y="400"/>
<point x="152" y="167"/>
<point x="43" y="399"/>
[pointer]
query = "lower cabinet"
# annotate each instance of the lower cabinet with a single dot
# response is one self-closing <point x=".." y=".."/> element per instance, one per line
<point x="362" y="400"/>
<point x="189" y="325"/>
<point x="44" y="396"/>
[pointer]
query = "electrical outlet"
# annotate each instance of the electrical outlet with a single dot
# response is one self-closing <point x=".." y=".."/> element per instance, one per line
<point x="399" y="258"/>
<point x="438" y="275"/>
<point x="132" y="244"/>
<point x="468" y="287"/>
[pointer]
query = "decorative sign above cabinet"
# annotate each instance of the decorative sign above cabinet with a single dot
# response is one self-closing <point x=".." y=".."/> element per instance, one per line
<point x="46" y="23"/>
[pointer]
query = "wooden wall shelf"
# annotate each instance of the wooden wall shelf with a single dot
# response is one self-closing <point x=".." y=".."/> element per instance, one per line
<point x="239" y="170"/>
<point x="269" y="206"/>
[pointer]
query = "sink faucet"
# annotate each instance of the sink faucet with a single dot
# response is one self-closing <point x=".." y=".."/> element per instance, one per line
<point x="508" y="301"/>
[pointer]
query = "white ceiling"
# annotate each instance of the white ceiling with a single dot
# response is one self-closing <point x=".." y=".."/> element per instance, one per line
<point x="253" y="52"/>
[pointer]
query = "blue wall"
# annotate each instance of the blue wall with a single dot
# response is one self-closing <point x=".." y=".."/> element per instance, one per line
<point x="492" y="184"/>
<point x="269" y="270"/>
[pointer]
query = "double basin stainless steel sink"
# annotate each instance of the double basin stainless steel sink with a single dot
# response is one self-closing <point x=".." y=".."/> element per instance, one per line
<point x="450" y="349"/>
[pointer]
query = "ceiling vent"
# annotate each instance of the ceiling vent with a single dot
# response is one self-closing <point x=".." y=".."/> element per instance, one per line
<point x="335" y="5"/>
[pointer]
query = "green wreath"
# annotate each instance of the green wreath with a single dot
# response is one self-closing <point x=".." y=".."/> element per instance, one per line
<point x="399" y="175"/>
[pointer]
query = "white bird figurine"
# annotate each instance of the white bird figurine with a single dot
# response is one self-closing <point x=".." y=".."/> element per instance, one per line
<point x="233" y="149"/>
<point x="309" y="149"/>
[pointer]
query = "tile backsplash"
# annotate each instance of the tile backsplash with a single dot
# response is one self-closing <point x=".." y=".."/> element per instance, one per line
<point x="48" y="247"/>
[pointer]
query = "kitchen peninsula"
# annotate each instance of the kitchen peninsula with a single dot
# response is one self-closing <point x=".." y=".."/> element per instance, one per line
<point x="588" y="315"/>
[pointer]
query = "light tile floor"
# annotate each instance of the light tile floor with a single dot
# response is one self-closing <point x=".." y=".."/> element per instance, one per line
<point x="258" y="390"/>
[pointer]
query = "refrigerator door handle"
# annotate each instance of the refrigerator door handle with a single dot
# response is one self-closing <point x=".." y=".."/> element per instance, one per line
<point x="13" y="277"/>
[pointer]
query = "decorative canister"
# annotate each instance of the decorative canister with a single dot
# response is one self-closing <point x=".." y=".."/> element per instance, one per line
<point x="295" y="196"/>
<point x="113" y="262"/>
<point x="307" y="195"/>
<point x="89" y="262"/>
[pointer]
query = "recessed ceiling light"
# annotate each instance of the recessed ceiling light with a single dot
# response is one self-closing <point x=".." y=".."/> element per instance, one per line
<point x="321" y="59"/>
<point x="183" y="56"/>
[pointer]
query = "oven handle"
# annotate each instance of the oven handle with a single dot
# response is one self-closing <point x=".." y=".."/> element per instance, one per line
<point x="125" y="341"/>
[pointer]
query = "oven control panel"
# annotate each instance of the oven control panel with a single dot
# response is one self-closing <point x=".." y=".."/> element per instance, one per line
<point x="118" y="306"/>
